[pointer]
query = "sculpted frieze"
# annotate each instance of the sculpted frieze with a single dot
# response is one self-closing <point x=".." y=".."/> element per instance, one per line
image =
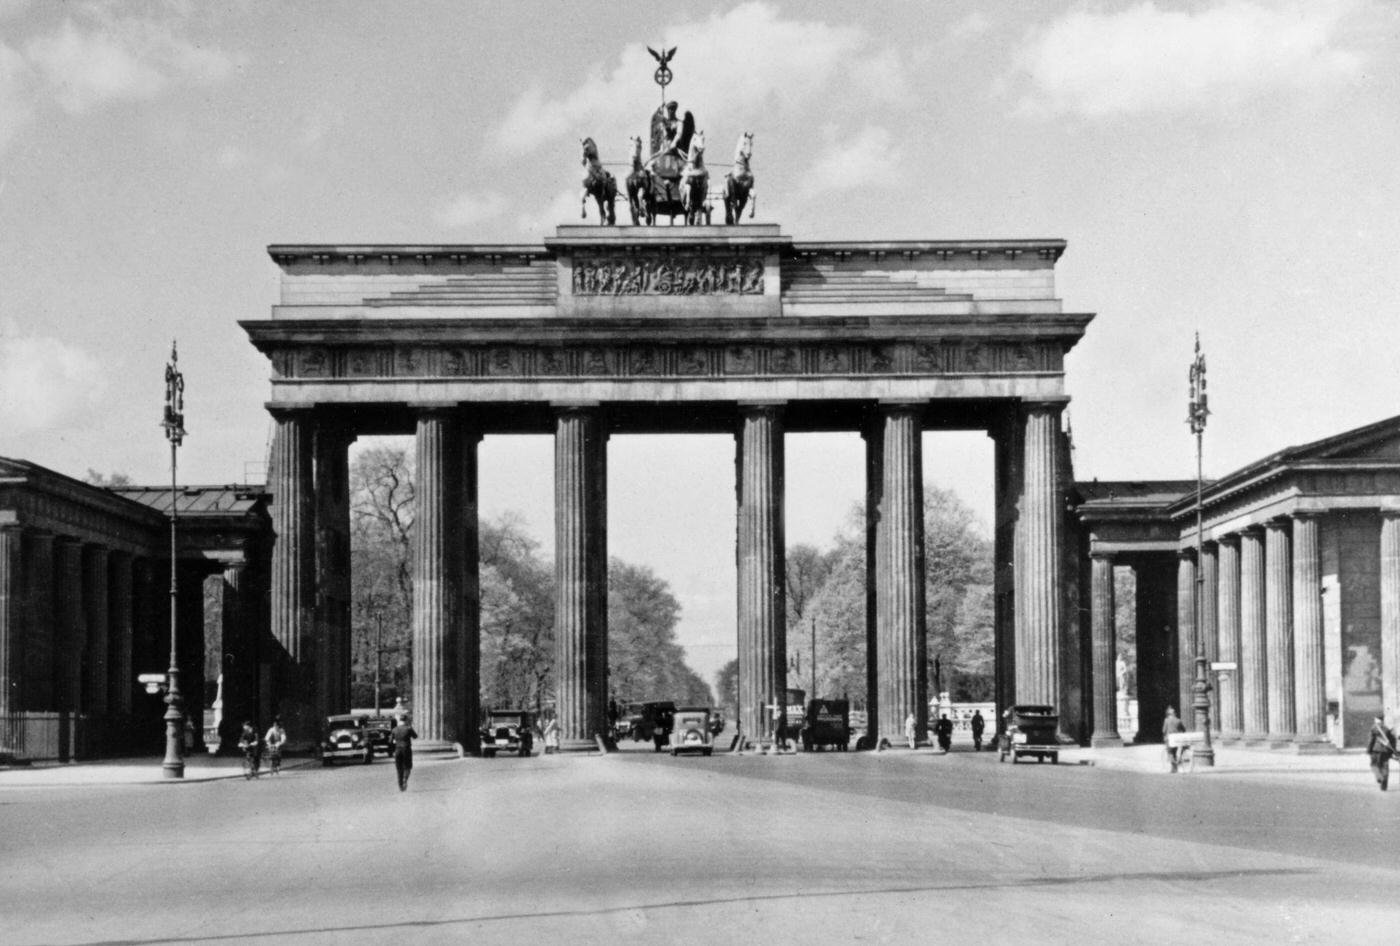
<point x="667" y="276"/>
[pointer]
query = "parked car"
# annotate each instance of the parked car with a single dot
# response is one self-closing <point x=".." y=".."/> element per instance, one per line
<point x="508" y="731"/>
<point x="346" y="737"/>
<point x="1031" y="730"/>
<point x="379" y="729"/>
<point x="690" y="731"/>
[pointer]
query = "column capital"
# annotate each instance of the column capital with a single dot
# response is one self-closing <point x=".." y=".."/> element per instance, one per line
<point x="1390" y="512"/>
<point x="1101" y="555"/>
<point x="1279" y="523"/>
<point x="1049" y="404"/>
<point x="1186" y="555"/>
<point x="1231" y="539"/>
<point x="1253" y="532"/>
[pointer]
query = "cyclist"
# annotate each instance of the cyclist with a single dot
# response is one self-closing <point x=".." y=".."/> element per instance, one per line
<point x="248" y="742"/>
<point x="276" y="737"/>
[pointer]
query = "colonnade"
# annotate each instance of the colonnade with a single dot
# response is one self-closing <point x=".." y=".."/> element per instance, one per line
<point x="1261" y="589"/>
<point x="309" y="461"/>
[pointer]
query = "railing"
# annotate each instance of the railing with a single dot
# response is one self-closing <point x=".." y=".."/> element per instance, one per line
<point x="41" y="737"/>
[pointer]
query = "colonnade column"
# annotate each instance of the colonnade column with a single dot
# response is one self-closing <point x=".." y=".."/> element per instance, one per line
<point x="1254" y="694"/>
<point x="1390" y="614"/>
<point x="761" y="555"/>
<point x="581" y="575"/>
<point x="438" y="539"/>
<point x="1104" y="650"/>
<point x="293" y="576"/>
<point x="1228" y="614"/>
<point x="1208" y="624"/>
<point x="899" y="574"/>
<point x="1185" y="633"/>
<point x="1308" y="663"/>
<point x="1038" y="559"/>
<point x="11" y="598"/>
<point x="874" y="436"/>
<point x="332" y="567"/>
<point x="69" y="641"/>
<point x="96" y="611"/>
<point x="1278" y="621"/>
<point x="121" y="672"/>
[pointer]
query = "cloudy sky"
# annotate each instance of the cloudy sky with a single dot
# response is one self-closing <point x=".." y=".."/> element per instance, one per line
<point x="1222" y="167"/>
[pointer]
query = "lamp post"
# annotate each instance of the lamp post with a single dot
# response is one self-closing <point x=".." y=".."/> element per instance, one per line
<point x="1197" y="412"/>
<point x="174" y="424"/>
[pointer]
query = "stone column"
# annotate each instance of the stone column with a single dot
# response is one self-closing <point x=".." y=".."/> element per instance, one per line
<point x="1008" y="441"/>
<point x="1210" y="625"/>
<point x="1038" y="559"/>
<point x="1390" y="614"/>
<point x="1185" y="633"/>
<point x="1228" y="612"/>
<point x="293" y="577"/>
<point x="1105" y="651"/>
<point x="241" y="659"/>
<point x="1309" y="679"/>
<point x="96" y="608"/>
<point x="874" y="435"/>
<point x="70" y="643"/>
<point x="1254" y="676"/>
<point x="581" y="575"/>
<point x="899" y="575"/>
<point x="11" y="608"/>
<point x="1278" y="622"/>
<point x="332" y="491"/>
<point x="438" y="540"/>
<point x="762" y="576"/>
<point x="41" y="625"/>
<point x="121" y="679"/>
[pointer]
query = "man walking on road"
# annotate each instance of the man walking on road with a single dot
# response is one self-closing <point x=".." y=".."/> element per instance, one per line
<point x="1381" y="748"/>
<point x="403" y="735"/>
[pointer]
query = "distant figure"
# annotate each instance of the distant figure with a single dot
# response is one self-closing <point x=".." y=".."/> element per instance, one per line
<point x="1170" y="726"/>
<point x="403" y="735"/>
<point x="252" y="748"/>
<point x="909" y="726"/>
<point x="1381" y="748"/>
<point x="551" y="734"/>
<point x="978" y="726"/>
<point x="1121" y="668"/>
<point x="274" y="740"/>
<point x="944" y="730"/>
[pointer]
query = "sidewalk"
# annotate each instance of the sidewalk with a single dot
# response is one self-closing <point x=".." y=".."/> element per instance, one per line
<point x="1345" y="767"/>
<point x="198" y="768"/>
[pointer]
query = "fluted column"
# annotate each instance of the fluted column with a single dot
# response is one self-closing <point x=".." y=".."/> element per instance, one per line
<point x="1209" y="622"/>
<point x="899" y="575"/>
<point x="874" y="434"/>
<point x="71" y="642"/>
<point x="241" y="658"/>
<point x="1228" y="615"/>
<point x="1104" y="651"/>
<point x="11" y="611"/>
<point x="1278" y="622"/>
<point x="1309" y="678"/>
<point x="121" y="677"/>
<point x="41" y="622"/>
<point x="762" y="588"/>
<point x="1185" y="632"/>
<point x="437" y="580"/>
<point x="1390" y="613"/>
<point x="581" y="575"/>
<point x="1254" y="693"/>
<point x="96" y="610"/>
<point x="332" y="564"/>
<point x="293" y="576"/>
<point x="1038" y="560"/>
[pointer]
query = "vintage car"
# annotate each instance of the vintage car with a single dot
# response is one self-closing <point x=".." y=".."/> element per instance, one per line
<point x="380" y="729"/>
<point x="1031" y="730"/>
<point x="827" y="724"/>
<point x="346" y="737"/>
<point x="690" y="731"/>
<point x="655" y="723"/>
<point x="508" y="731"/>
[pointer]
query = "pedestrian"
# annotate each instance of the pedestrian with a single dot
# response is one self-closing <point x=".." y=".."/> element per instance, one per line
<point x="403" y="735"/>
<point x="910" y="725"/>
<point x="1380" y="749"/>
<point x="551" y="734"/>
<point x="944" y="730"/>
<point x="1170" y="727"/>
<point x="274" y="740"/>
<point x="978" y="726"/>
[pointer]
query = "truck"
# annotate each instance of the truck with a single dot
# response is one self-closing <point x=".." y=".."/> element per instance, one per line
<point x="827" y="723"/>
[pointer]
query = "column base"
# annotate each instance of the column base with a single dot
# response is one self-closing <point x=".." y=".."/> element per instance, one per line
<point x="437" y="747"/>
<point x="579" y="745"/>
<point x="1105" y="741"/>
<point x="1281" y="740"/>
<point x="1312" y="744"/>
<point x="1255" y="740"/>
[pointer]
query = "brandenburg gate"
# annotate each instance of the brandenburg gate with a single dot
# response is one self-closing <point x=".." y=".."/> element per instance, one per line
<point x="648" y="329"/>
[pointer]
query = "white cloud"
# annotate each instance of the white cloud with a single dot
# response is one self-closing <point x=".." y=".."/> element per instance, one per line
<point x="15" y="84"/>
<point x="868" y="158"/>
<point x="45" y="383"/>
<point x="1145" y="59"/>
<point x="733" y="68"/>
<point x="536" y="222"/>
<point x="114" y="59"/>
<point x="469" y="209"/>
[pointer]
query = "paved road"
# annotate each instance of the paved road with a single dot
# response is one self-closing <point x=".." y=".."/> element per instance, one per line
<point x="820" y="848"/>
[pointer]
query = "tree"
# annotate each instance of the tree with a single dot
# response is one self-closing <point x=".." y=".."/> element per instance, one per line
<point x="517" y="617"/>
<point x="111" y="480"/>
<point x="644" y="660"/>
<point x="727" y="686"/>
<point x="807" y="569"/>
<point x="958" y="589"/>
<point x="381" y="523"/>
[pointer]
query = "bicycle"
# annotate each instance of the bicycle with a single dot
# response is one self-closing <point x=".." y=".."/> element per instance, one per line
<point x="250" y="761"/>
<point x="274" y="760"/>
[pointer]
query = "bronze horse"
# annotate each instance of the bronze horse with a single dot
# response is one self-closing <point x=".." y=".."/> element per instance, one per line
<point x="738" y="183"/>
<point x="599" y="183"/>
<point x="695" y="182"/>
<point x="639" y="188"/>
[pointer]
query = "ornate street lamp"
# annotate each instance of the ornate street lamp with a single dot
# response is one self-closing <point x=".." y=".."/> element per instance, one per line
<point x="174" y="424"/>
<point x="1197" y="412"/>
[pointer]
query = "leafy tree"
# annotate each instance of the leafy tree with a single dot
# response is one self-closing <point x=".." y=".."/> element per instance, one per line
<point x="645" y="661"/>
<point x="381" y="522"/>
<point x="727" y="686"/>
<point x="958" y="589"/>
<point x="112" y="479"/>
<point x="517" y="617"/>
